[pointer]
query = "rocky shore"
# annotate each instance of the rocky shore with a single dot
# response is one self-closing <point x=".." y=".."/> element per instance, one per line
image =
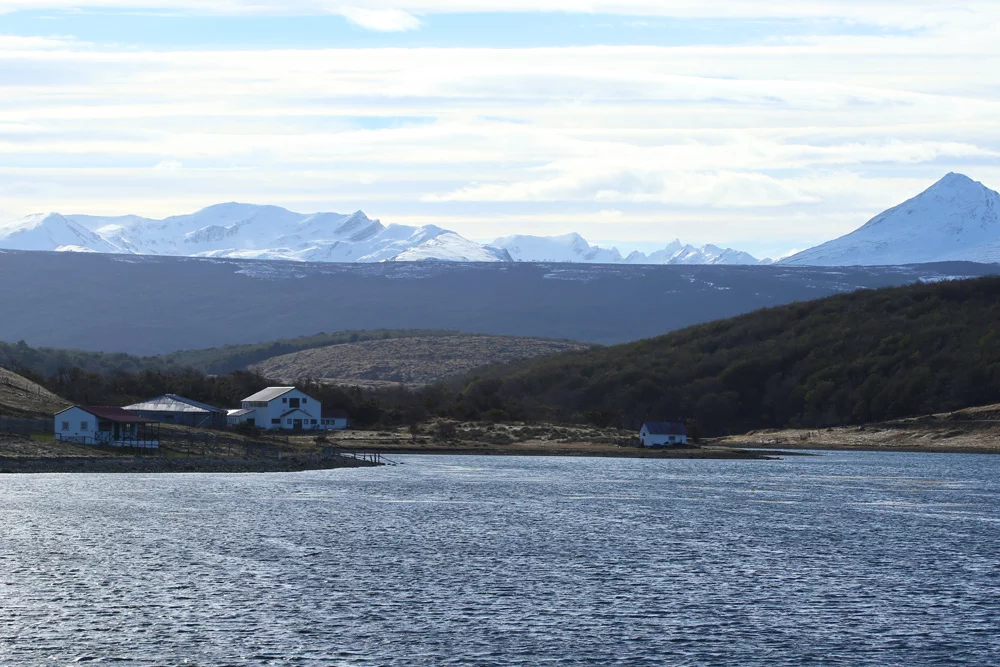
<point x="173" y="465"/>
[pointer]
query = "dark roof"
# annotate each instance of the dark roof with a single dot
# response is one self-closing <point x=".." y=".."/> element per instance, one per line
<point x="119" y="415"/>
<point x="333" y="413"/>
<point x="269" y="394"/>
<point x="294" y="410"/>
<point x="665" y="428"/>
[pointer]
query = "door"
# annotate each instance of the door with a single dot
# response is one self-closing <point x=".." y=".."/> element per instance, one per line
<point x="297" y="424"/>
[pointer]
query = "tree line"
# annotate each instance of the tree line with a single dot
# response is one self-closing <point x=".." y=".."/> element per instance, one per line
<point x="866" y="356"/>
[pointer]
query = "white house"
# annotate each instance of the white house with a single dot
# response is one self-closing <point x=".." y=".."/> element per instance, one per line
<point x="113" y="427"/>
<point x="285" y="408"/>
<point x="662" y="434"/>
<point x="334" y="420"/>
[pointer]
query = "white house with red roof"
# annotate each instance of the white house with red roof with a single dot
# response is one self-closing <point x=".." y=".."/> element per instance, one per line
<point x="113" y="427"/>
<point x="285" y="408"/>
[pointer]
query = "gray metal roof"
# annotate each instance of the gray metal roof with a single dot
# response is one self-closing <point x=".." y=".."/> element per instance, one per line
<point x="269" y="394"/>
<point x="172" y="403"/>
<point x="238" y="413"/>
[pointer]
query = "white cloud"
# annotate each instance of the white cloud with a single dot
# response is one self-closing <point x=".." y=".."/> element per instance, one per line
<point x="899" y="13"/>
<point x="381" y="20"/>
<point x="797" y="140"/>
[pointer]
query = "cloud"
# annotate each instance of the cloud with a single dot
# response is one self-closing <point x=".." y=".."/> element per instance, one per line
<point x="908" y="14"/>
<point x="793" y="139"/>
<point x="381" y="20"/>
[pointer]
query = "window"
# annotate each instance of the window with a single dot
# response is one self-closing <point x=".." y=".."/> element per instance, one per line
<point x="65" y="426"/>
<point x="84" y="426"/>
<point x="304" y="401"/>
<point x="288" y="421"/>
<point x="284" y="400"/>
<point x="275" y="421"/>
<point x="293" y="403"/>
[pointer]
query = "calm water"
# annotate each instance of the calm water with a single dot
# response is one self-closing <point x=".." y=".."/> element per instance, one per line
<point x="845" y="559"/>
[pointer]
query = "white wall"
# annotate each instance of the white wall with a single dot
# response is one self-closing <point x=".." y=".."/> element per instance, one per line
<point x="654" y="440"/>
<point x="75" y="419"/>
<point x="82" y="428"/>
<point x="334" y="423"/>
<point x="264" y="417"/>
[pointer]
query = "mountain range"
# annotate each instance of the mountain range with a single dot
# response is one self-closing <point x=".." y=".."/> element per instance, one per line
<point x="956" y="219"/>
<point x="574" y="248"/>
<point x="249" y="231"/>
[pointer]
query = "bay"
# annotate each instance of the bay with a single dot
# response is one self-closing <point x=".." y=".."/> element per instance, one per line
<point x="846" y="558"/>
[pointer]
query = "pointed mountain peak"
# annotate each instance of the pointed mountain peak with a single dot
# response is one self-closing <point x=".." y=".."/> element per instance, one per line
<point x="954" y="182"/>
<point x="34" y="220"/>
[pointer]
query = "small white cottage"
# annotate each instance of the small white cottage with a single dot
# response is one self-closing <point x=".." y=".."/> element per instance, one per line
<point x="113" y="427"/>
<point x="334" y="420"/>
<point x="662" y="434"/>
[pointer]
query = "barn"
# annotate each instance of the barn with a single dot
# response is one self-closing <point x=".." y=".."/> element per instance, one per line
<point x="663" y="434"/>
<point x="113" y="427"/>
<point x="174" y="409"/>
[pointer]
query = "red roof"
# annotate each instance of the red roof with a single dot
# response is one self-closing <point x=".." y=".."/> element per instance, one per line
<point x="116" y="415"/>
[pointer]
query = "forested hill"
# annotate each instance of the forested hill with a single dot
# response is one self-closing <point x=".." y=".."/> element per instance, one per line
<point x="216" y="360"/>
<point x="853" y="358"/>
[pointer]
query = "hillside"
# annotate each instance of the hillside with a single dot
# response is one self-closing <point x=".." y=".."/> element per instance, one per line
<point x="22" y="398"/>
<point x="46" y="361"/>
<point x="974" y="430"/>
<point x="229" y="358"/>
<point x="155" y="305"/>
<point x="412" y="360"/>
<point x="848" y="359"/>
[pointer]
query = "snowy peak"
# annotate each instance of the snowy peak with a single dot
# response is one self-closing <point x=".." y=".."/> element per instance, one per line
<point x="51" y="231"/>
<point x="242" y="230"/>
<point x="565" y="248"/>
<point x="574" y="248"/>
<point x="245" y="231"/>
<point x="680" y="253"/>
<point x="957" y="218"/>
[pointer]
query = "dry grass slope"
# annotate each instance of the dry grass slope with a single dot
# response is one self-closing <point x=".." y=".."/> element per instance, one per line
<point x="22" y="398"/>
<point x="411" y="361"/>
<point x="975" y="430"/>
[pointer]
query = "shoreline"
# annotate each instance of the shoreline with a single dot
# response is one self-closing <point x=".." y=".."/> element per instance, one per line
<point x="587" y="451"/>
<point x="847" y="447"/>
<point x="157" y="465"/>
<point x="144" y="465"/>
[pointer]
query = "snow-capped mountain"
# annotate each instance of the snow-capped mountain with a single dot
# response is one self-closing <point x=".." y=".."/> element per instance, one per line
<point x="51" y="231"/>
<point x="956" y="219"/>
<point x="247" y="231"/>
<point x="573" y="248"/>
<point x="565" y="248"/>
<point x="681" y="253"/>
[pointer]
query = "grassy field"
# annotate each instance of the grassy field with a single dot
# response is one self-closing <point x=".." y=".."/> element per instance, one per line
<point x="485" y="438"/>
<point x="414" y="361"/>
<point x="973" y="430"/>
<point x="22" y="398"/>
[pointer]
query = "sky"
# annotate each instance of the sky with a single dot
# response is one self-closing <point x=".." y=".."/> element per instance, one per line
<point x="765" y="125"/>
